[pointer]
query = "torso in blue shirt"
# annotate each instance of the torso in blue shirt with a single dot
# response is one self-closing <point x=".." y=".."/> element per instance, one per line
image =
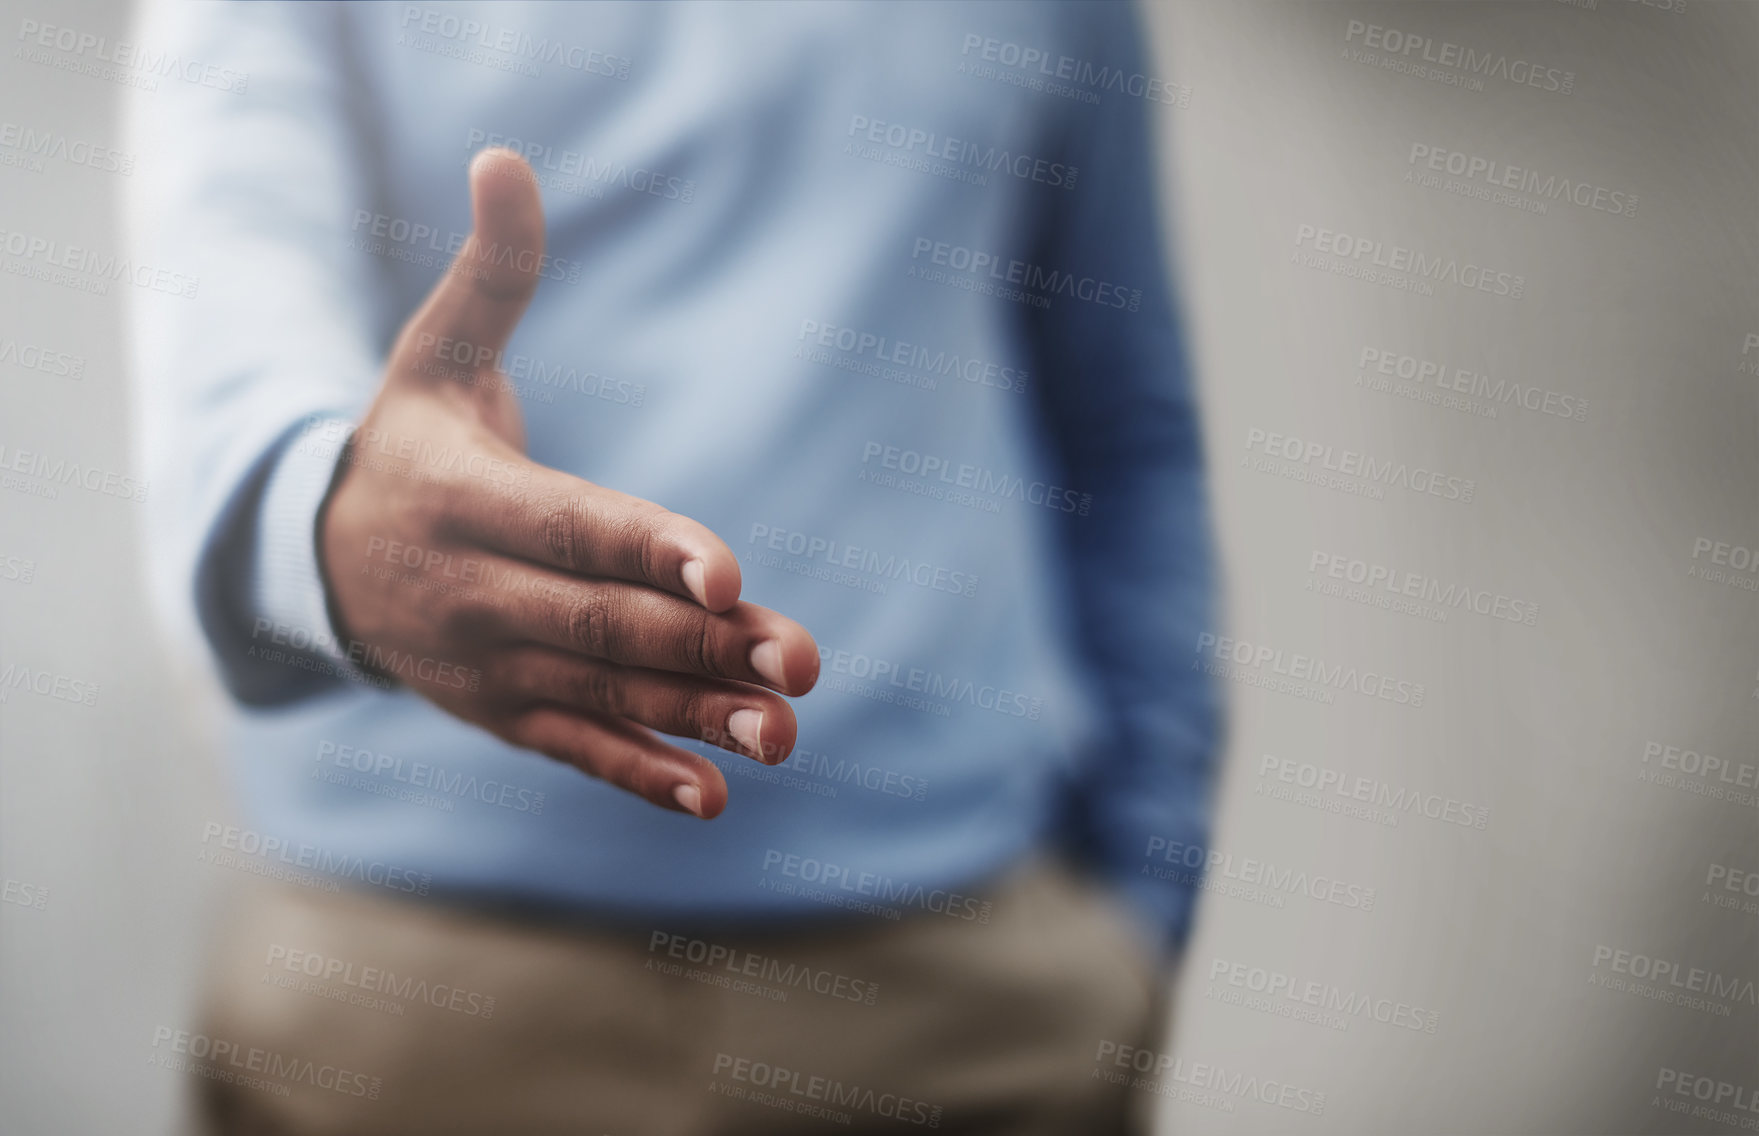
<point x="767" y="308"/>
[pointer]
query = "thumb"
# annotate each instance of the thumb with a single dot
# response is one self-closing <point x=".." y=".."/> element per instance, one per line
<point x="477" y="304"/>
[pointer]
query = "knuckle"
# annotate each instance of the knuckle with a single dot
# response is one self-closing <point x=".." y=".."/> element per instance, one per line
<point x="534" y="729"/>
<point x="586" y="619"/>
<point x="651" y="530"/>
<point x="522" y="730"/>
<point x="701" y="644"/>
<point x="500" y="287"/>
<point x="693" y="712"/>
<point x="648" y="776"/>
<point x="650" y="547"/>
<point x="506" y="676"/>
<point x="413" y="510"/>
<point x="599" y="688"/>
<point x="457" y="615"/>
<point x="564" y="530"/>
<point x="626" y="534"/>
<point x="430" y="513"/>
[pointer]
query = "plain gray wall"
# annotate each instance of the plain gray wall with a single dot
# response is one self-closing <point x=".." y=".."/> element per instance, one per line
<point x="100" y="805"/>
<point x="1644" y="316"/>
<point x="1544" y="727"/>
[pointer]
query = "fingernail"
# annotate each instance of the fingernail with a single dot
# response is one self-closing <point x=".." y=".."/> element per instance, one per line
<point x="746" y="726"/>
<point x="693" y="580"/>
<point x="689" y="798"/>
<point x="766" y="660"/>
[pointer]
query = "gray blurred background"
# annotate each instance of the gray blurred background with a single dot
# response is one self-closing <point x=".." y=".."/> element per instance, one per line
<point x="1613" y="499"/>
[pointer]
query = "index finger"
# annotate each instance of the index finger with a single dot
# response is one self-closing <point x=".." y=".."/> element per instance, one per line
<point x="564" y="522"/>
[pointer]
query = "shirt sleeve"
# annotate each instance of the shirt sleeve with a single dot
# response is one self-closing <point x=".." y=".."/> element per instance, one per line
<point x="250" y="171"/>
<point x="1119" y="412"/>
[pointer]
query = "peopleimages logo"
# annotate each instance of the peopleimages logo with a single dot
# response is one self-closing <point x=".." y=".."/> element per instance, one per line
<point x="147" y="63"/>
<point x="1705" y="765"/>
<point x="1414" y="263"/>
<point x="744" y="964"/>
<point x="1380" y="801"/>
<point x="1276" y="986"/>
<point x="470" y="357"/>
<point x="1736" y="556"/>
<point x="1079" y="78"/>
<point x="233" y="841"/>
<point x="427" y="775"/>
<point x="34" y="896"/>
<point x="375" y="980"/>
<point x="1355" y="463"/>
<point x="1667" y="980"/>
<point x="930" y="684"/>
<point x="418" y="235"/>
<point x="888" y="566"/>
<point x="403" y="455"/>
<point x="1710" y="1093"/>
<point x="1308" y="669"/>
<point x="840" y="878"/>
<point x="759" y="1082"/>
<point x="36" y="143"/>
<point x="60" y="364"/>
<point x="940" y="363"/>
<point x="1457" y="57"/>
<point x="48" y="684"/>
<point x="1163" y="1070"/>
<point x="991" y="483"/>
<point x="512" y="43"/>
<point x="574" y="169"/>
<point x="53" y="471"/>
<point x="1520" y="179"/>
<point x="228" y="1058"/>
<point x="1206" y="864"/>
<point x="848" y="771"/>
<point x="102" y="269"/>
<point x="913" y="142"/>
<point x="1418" y="586"/>
<point x="19" y="568"/>
<point x="267" y="635"/>
<point x="1476" y="384"/>
<point x="1733" y="879"/>
<point x="1035" y="280"/>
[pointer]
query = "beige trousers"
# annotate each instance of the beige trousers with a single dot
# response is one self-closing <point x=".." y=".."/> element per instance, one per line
<point x="352" y="1013"/>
